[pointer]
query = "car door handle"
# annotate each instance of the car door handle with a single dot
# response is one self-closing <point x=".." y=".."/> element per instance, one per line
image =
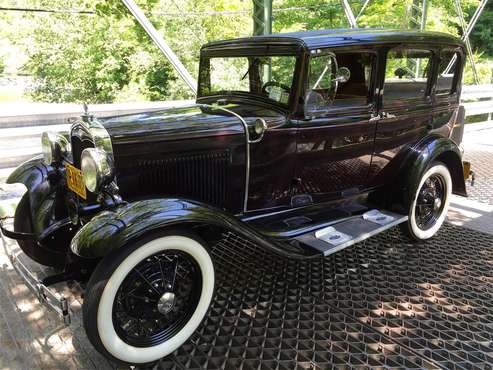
<point x="381" y="115"/>
<point x="387" y="115"/>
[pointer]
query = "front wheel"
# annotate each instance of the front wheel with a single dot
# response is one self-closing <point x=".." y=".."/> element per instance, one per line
<point x="430" y="203"/>
<point x="145" y="300"/>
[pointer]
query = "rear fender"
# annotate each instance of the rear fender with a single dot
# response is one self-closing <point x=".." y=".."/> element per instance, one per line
<point x="113" y="229"/>
<point x="433" y="148"/>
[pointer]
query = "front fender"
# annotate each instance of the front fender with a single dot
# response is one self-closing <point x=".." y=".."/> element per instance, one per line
<point x="45" y="200"/>
<point x="30" y="173"/>
<point x="113" y="229"/>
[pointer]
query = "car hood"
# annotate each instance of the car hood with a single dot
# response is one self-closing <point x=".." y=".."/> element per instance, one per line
<point x="184" y="123"/>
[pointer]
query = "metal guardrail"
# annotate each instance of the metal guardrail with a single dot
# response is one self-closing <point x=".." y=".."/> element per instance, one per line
<point x="23" y="114"/>
<point x="478" y="99"/>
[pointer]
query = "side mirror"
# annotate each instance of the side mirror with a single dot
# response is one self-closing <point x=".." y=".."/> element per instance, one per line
<point x="342" y="75"/>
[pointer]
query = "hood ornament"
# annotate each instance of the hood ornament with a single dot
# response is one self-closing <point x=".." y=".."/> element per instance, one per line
<point x="86" y="116"/>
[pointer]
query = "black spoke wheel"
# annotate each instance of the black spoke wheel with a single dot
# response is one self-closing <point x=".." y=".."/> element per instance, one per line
<point x="146" y="299"/>
<point x="430" y="202"/>
<point x="157" y="298"/>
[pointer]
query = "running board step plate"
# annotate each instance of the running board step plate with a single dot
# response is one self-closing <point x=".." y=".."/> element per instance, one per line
<point x="341" y="235"/>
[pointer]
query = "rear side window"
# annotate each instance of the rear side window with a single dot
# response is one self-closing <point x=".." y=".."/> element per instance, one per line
<point x="449" y="61"/>
<point x="406" y="74"/>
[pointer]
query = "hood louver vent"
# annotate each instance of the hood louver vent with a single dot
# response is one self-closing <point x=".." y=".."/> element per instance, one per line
<point x="200" y="176"/>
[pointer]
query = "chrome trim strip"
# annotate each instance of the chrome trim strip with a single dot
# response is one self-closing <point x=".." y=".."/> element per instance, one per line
<point x="247" y="143"/>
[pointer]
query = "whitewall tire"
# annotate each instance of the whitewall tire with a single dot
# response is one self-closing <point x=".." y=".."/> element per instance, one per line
<point x="147" y="299"/>
<point x="430" y="203"/>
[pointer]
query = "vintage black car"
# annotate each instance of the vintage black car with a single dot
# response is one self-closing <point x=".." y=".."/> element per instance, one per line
<point x="303" y="143"/>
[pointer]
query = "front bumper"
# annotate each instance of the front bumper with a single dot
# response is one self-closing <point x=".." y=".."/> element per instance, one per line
<point x="10" y="196"/>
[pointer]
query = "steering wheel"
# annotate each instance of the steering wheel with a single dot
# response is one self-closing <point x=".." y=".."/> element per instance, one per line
<point x="274" y="83"/>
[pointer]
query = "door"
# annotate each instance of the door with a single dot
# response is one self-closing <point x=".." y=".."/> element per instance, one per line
<point x="335" y="141"/>
<point x="405" y="109"/>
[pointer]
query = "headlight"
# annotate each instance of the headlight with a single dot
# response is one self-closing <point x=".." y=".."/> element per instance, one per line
<point x="97" y="169"/>
<point x="54" y="147"/>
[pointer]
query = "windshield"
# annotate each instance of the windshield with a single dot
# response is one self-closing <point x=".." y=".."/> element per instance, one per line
<point x="268" y="77"/>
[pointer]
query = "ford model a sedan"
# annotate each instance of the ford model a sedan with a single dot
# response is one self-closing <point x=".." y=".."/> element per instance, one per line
<point x="302" y="143"/>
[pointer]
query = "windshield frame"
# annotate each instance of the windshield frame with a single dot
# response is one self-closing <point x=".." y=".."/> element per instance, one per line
<point x="204" y="75"/>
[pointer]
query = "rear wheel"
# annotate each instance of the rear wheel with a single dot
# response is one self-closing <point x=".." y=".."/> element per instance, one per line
<point x="430" y="203"/>
<point x="145" y="300"/>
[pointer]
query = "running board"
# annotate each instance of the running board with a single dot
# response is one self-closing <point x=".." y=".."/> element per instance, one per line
<point x="343" y="234"/>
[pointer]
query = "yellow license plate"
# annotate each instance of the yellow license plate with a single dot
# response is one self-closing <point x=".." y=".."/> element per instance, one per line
<point x="75" y="182"/>
<point x="467" y="169"/>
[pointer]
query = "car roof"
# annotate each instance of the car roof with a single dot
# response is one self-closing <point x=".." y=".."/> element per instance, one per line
<point x="339" y="37"/>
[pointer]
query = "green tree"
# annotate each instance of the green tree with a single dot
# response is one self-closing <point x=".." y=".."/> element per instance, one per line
<point x="95" y="59"/>
<point x="482" y="35"/>
<point x="108" y="57"/>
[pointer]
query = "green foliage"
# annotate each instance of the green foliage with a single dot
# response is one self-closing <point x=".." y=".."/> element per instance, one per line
<point x="75" y="66"/>
<point x="482" y="35"/>
<point x="108" y="57"/>
<point x="2" y="64"/>
<point x="317" y="14"/>
<point x="95" y="58"/>
<point x="484" y="69"/>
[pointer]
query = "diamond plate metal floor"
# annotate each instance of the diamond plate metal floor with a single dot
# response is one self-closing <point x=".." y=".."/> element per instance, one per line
<point x="379" y="304"/>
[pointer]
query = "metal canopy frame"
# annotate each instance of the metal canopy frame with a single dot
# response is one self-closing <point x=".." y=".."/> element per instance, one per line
<point x="262" y="17"/>
<point x="349" y="14"/>
<point x="467" y="29"/>
<point x="161" y="44"/>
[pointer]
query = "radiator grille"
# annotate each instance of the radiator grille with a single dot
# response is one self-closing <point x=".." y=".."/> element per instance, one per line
<point x="78" y="146"/>
<point x="198" y="176"/>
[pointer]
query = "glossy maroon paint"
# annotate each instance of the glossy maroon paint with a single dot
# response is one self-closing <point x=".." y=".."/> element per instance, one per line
<point x="336" y="155"/>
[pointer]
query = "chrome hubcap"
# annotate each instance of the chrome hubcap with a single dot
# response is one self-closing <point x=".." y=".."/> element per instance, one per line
<point x="166" y="303"/>
<point x="437" y="203"/>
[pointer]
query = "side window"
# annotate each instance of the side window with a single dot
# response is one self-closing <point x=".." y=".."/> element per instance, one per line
<point x="406" y="74"/>
<point x="321" y="73"/>
<point x="339" y="80"/>
<point x="449" y="60"/>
